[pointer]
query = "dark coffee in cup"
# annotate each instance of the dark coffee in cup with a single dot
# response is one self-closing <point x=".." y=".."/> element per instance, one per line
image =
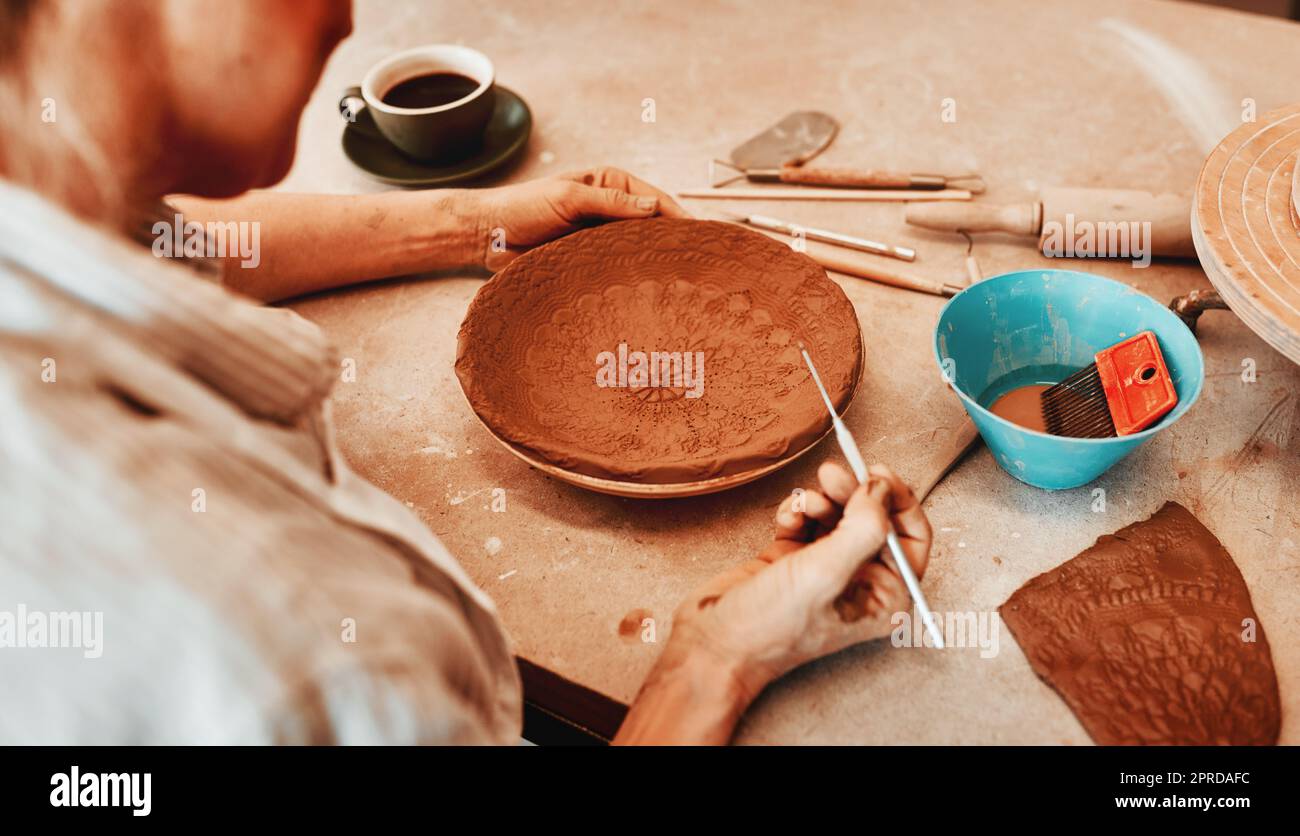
<point x="432" y="103"/>
<point x="430" y="90"/>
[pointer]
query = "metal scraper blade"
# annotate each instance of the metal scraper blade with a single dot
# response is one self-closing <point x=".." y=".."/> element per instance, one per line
<point x="793" y="141"/>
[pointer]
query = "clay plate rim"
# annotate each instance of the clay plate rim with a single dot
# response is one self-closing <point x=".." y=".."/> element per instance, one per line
<point x="622" y="478"/>
<point x="665" y="490"/>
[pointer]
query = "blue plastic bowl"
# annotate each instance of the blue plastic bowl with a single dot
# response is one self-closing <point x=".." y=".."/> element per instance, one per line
<point x="1037" y="326"/>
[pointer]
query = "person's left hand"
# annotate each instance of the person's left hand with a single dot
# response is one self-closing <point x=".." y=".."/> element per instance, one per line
<point x="513" y="219"/>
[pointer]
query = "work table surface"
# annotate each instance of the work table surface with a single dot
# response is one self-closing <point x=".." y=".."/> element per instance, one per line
<point x="1044" y="94"/>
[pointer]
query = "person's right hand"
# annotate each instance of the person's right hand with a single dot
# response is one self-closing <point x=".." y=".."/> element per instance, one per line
<point x="819" y="587"/>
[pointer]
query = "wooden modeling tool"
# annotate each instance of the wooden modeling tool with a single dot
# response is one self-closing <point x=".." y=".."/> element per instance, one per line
<point x="1125" y="391"/>
<point x="852" y="264"/>
<point x="796" y="193"/>
<point x="866" y="245"/>
<point x="844" y="178"/>
<point x="1066" y="210"/>
<point x="850" y="449"/>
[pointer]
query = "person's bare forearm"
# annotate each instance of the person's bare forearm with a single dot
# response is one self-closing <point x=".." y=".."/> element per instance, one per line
<point x="309" y="242"/>
<point x="689" y="698"/>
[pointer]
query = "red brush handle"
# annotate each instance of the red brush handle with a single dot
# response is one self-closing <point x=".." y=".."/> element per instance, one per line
<point x="1139" y="390"/>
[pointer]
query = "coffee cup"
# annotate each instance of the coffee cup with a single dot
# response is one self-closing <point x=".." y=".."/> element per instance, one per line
<point x="430" y="102"/>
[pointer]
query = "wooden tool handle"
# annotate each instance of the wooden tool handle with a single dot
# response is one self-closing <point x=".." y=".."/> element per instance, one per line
<point x="835" y="258"/>
<point x="846" y="178"/>
<point x="858" y="267"/>
<point x="1015" y="218"/>
<point x="789" y="192"/>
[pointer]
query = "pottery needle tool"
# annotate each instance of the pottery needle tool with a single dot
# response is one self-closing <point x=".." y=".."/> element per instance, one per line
<point x="798" y="193"/>
<point x="1126" y="390"/>
<point x="844" y="178"/>
<point x="849" y="446"/>
<point x="866" y="245"/>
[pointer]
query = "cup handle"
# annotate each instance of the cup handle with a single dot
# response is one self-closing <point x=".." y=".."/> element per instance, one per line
<point x="351" y="103"/>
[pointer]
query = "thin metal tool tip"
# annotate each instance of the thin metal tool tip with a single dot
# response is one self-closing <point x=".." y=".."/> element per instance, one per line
<point x="830" y="407"/>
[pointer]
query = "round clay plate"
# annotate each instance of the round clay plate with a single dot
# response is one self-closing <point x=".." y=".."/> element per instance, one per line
<point x="658" y="357"/>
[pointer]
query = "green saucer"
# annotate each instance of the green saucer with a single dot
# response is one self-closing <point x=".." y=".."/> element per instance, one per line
<point x="506" y="135"/>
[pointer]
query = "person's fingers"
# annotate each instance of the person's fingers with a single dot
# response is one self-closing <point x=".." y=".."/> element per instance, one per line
<point x="837" y="483"/>
<point x="904" y="505"/>
<point x="887" y="588"/>
<point x="790" y="521"/>
<point x="668" y="207"/>
<point x="816" y="506"/>
<point x="910" y="522"/>
<point x="797" y="511"/>
<point x="582" y="201"/>
<point x="617" y="178"/>
<point x="831" y="562"/>
<point x="866" y="510"/>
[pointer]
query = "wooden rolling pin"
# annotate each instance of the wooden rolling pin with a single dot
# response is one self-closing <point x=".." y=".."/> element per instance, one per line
<point x="1169" y="215"/>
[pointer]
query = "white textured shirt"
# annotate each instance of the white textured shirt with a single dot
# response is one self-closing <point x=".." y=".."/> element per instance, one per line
<point x="167" y="469"/>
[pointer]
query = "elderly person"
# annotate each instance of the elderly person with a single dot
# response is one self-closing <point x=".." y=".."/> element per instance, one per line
<point x="167" y="465"/>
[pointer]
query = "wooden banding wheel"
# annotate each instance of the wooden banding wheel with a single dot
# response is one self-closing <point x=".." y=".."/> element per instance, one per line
<point x="1246" y="226"/>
